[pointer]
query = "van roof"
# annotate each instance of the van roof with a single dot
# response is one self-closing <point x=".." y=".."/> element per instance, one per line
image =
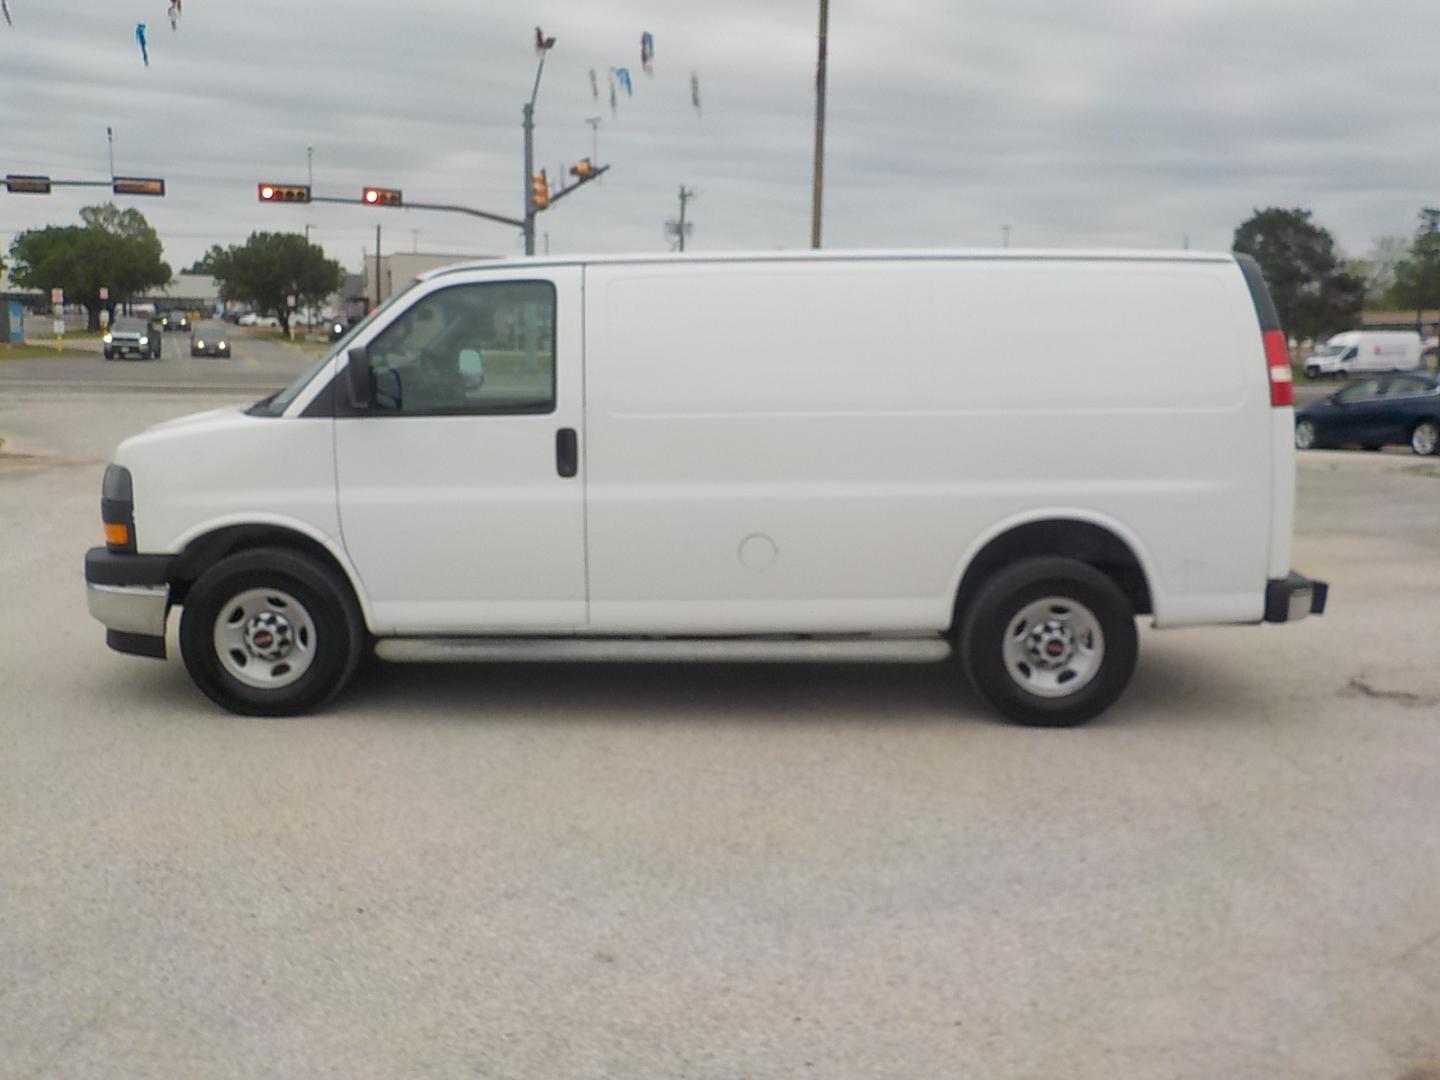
<point x="965" y="255"/>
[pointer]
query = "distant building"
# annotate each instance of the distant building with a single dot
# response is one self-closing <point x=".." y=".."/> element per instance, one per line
<point x="188" y="292"/>
<point x="397" y="269"/>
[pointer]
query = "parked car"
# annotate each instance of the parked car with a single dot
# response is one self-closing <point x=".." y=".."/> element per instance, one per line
<point x="131" y="337"/>
<point x="1364" y="351"/>
<point x="209" y="339"/>
<point x="251" y="318"/>
<point x="1382" y="410"/>
<point x="743" y="458"/>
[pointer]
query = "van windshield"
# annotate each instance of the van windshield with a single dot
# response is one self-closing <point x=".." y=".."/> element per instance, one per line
<point x="1328" y="350"/>
<point x="276" y="404"/>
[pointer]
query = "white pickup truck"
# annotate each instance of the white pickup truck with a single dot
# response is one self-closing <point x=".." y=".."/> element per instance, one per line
<point x="1002" y="457"/>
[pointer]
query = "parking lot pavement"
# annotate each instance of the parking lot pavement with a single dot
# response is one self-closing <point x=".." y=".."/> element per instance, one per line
<point x="716" y="872"/>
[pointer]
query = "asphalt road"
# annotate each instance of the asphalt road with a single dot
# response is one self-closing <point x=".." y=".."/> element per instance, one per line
<point x="722" y="872"/>
<point x="258" y="364"/>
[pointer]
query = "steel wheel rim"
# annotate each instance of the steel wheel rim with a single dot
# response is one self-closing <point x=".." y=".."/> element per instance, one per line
<point x="1304" y="435"/>
<point x="1424" y="439"/>
<point x="1053" y="647"/>
<point x="264" y="638"/>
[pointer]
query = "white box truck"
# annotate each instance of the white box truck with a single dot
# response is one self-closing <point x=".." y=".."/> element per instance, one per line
<point x="1001" y="457"/>
<point x="1366" y="350"/>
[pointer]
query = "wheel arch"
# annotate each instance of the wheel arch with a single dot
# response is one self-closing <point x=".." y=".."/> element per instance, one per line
<point x="203" y="548"/>
<point x="1087" y="537"/>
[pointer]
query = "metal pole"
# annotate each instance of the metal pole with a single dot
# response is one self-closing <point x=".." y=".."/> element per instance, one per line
<point x="529" y="170"/>
<point x="310" y="166"/>
<point x="110" y="137"/>
<point x="377" y="266"/>
<point x="685" y="197"/>
<point x="529" y="124"/>
<point x="819" y="191"/>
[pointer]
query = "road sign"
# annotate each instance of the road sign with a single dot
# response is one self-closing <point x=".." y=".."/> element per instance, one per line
<point x="290" y="300"/>
<point x="57" y="297"/>
<point x="104" y="293"/>
<point x="137" y="185"/>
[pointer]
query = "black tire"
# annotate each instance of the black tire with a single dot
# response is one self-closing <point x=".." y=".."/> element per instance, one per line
<point x="339" y="631"/>
<point x="1372" y="447"/>
<point x="987" y="618"/>
<point x="1306" y="437"/>
<point x="109" y="354"/>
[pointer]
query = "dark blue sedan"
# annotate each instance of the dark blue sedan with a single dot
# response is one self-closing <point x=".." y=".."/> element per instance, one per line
<point x="1382" y="410"/>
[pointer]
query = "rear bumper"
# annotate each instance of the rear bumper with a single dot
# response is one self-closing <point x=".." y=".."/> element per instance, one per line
<point x="1294" y="597"/>
<point x="130" y="596"/>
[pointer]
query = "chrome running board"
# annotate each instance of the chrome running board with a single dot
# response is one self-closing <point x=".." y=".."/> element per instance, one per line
<point x="864" y="649"/>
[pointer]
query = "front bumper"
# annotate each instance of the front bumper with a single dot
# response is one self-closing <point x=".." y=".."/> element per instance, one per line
<point x="130" y="596"/>
<point x="1293" y="597"/>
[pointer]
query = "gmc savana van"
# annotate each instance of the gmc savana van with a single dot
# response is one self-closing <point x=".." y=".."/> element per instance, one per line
<point x="1004" y="458"/>
<point x="1366" y="350"/>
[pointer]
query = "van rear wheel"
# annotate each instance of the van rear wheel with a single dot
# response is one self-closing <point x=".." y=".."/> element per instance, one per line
<point x="270" y="632"/>
<point x="1049" y="642"/>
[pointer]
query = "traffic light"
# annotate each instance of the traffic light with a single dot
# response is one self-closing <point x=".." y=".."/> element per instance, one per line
<point x="27" y="185"/>
<point x="137" y="185"/>
<point x="378" y="196"/>
<point x="583" y="169"/>
<point x="539" y="190"/>
<point x="284" y="193"/>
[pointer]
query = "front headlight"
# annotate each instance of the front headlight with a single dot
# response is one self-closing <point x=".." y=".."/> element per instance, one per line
<point x="144" y="341"/>
<point x="107" y="339"/>
<point x="199" y="344"/>
<point x="222" y="344"/>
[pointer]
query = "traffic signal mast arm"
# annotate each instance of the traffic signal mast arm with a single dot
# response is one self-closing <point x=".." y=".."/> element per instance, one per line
<point x="595" y="173"/>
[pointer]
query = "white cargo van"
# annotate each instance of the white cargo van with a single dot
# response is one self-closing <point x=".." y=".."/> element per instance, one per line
<point x="1366" y="350"/>
<point x="1004" y="457"/>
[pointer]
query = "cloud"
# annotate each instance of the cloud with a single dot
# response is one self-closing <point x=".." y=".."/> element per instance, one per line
<point x="1115" y="122"/>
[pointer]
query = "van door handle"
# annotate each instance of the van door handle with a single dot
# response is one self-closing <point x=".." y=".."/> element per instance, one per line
<point x="567" y="452"/>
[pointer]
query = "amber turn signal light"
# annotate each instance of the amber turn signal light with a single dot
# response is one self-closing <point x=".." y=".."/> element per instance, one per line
<point x="117" y="535"/>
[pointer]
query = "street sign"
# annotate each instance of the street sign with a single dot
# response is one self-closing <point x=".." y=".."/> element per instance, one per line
<point x="104" y="293"/>
<point x="290" y="300"/>
<point x="137" y="185"/>
<point x="57" y="297"/>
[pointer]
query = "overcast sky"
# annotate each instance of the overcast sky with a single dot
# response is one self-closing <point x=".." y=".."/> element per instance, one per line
<point x="1103" y="123"/>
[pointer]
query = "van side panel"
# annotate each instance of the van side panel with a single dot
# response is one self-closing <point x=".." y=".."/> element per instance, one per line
<point x="814" y="446"/>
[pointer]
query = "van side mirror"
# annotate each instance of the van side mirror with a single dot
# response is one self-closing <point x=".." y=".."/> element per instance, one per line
<point x="357" y="376"/>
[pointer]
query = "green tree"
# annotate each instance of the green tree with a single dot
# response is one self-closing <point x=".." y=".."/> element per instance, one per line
<point x="1417" y="275"/>
<point x="207" y="263"/>
<point x="271" y="267"/>
<point x="1313" y="292"/>
<point x="113" y="248"/>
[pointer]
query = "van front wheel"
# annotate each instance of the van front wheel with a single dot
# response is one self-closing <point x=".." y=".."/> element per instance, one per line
<point x="1049" y="642"/>
<point x="270" y="632"/>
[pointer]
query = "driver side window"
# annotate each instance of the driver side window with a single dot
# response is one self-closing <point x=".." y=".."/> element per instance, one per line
<point x="469" y="349"/>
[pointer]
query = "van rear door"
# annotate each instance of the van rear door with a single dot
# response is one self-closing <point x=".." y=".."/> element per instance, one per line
<point x="460" y="494"/>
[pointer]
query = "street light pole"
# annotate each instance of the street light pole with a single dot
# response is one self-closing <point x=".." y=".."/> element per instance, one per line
<point x="529" y="125"/>
<point x="820" y="75"/>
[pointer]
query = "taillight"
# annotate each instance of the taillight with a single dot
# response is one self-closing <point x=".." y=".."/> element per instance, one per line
<point x="1277" y="358"/>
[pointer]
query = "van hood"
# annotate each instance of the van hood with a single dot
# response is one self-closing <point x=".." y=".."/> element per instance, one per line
<point x="192" y="420"/>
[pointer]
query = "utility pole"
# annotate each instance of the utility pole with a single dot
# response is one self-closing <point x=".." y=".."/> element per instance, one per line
<point x="685" y="197"/>
<point x="528" y="123"/>
<point x="110" y="137"/>
<point x="377" y="266"/>
<point x="310" y="165"/>
<point x="817" y="197"/>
